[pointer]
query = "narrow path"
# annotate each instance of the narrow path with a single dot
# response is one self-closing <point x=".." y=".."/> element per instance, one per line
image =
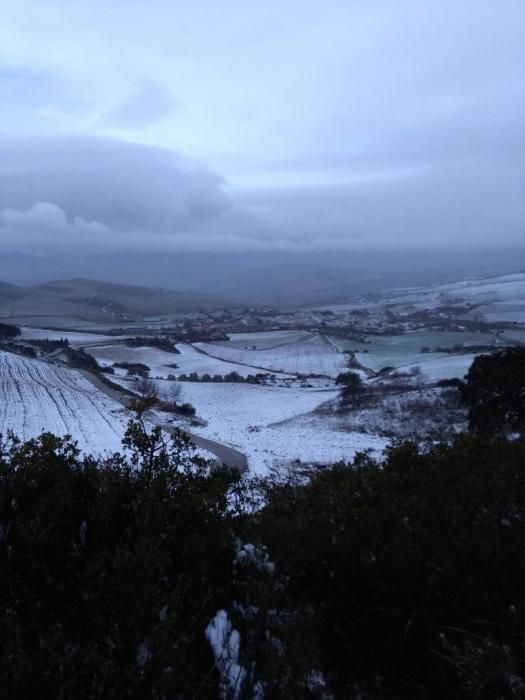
<point x="227" y="455"/>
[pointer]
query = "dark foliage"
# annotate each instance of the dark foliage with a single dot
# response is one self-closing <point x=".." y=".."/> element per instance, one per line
<point x="19" y="349"/>
<point x="81" y="359"/>
<point x="134" y="369"/>
<point x="186" y="409"/>
<point x="110" y="571"/>
<point x="232" y="377"/>
<point x="396" y="580"/>
<point x="152" y="341"/>
<point x="402" y="580"/>
<point x="48" y="345"/>
<point x="453" y="383"/>
<point x="495" y="392"/>
<point x="8" y="330"/>
<point x="352" y="390"/>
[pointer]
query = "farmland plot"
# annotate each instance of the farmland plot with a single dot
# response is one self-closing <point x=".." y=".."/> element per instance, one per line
<point x="265" y="340"/>
<point x="437" y="368"/>
<point x="161" y="362"/>
<point x="193" y="360"/>
<point x="157" y="360"/>
<point x="36" y="397"/>
<point x="311" y="356"/>
<point x="402" y="350"/>
<point x="75" y="338"/>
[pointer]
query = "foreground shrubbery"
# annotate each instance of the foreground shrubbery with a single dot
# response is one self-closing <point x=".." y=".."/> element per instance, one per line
<point x="401" y="580"/>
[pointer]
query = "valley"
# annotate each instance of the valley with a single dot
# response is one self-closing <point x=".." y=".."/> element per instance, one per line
<point x="266" y="383"/>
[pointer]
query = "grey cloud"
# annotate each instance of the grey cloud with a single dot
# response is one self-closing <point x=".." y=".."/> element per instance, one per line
<point x="126" y="187"/>
<point x="44" y="227"/>
<point x="94" y="195"/>
<point x="149" y="103"/>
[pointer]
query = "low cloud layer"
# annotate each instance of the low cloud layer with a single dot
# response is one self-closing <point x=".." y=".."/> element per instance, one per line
<point x="91" y="195"/>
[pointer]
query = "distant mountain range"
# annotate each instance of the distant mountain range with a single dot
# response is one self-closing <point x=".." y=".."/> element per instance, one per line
<point x="96" y="302"/>
<point x="210" y="280"/>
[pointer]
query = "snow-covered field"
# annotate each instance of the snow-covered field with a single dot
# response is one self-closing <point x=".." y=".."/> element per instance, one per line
<point x="250" y="419"/>
<point x="436" y="368"/>
<point x="314" y="355"/>
<point x="402" y="350"/>
<point x="156" y="359"/>
<point x="503" y="288"/>
<point x="37" y="397"/>
<point x="501" y="311"/>
<point x="266" y="339"/>
<point x="188" y="360"/>
<point x="76" y="338"/>
<point x="516" y="335"/>
<point x="193" y="360"/>
<point x="493" y="290"/>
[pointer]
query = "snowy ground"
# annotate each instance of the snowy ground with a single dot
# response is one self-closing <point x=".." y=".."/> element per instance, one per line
<point x="156" y="359"/>
<point x="493" y="293"/>
<point x="37" y="397"/>
<point x="250" y="419"/>
<point x="503" y="288"/>
<point x="516" y="335"/>
<point x="76" y="338"/>
<point x="188" y="360"/>
<point x="266" y="339"/>
<point x="437" y="368"/>
<point x="405" y="350"/>
<point x="417" y="412"/>
<point x="192" y="360"/>
<point x="313" y="355"/>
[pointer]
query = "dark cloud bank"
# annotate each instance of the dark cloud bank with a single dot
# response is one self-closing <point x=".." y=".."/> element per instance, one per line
<point x="123" y="212"/>
<point x="82" y="195"/>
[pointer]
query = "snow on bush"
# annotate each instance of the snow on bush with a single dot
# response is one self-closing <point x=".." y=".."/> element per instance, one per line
<point x="225" y="643"/>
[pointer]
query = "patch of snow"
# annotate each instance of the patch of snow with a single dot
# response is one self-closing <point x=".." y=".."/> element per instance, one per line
<point x="254" y="420"/>
<point x="225" y="643"/>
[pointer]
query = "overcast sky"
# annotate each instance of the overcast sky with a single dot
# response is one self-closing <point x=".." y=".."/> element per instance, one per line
<point x="252" y="125"/>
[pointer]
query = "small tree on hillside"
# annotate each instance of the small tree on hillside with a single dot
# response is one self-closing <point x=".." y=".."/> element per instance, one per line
<point x="8" y="330"/>
<point x="173" y="395"/>
<point x="351" y="391"/>
<point x="147" y="392"/>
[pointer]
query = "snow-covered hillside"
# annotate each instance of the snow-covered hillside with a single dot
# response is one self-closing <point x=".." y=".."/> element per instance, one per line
<point x="37" y="397"/>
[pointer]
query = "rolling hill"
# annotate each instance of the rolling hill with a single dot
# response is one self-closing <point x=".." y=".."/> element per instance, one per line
<point x="64" y="302"/>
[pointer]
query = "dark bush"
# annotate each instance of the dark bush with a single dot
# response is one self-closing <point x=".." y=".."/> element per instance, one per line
<point x="8" y="330"/>
<point x="494" y="390"/>
<point x="394" y="580"/>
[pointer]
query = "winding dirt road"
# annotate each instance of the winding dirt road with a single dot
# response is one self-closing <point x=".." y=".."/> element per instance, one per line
<point x="227" y="455"/>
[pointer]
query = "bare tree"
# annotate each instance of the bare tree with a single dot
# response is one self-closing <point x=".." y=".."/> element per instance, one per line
<point x="148" y="393"/>
<point x="173" y="395"/>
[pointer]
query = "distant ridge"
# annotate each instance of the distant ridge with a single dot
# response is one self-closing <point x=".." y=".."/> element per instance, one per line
<point x="274" y="278"/>
<point x="98" y="302"/>
<point x="10" y="292"/>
